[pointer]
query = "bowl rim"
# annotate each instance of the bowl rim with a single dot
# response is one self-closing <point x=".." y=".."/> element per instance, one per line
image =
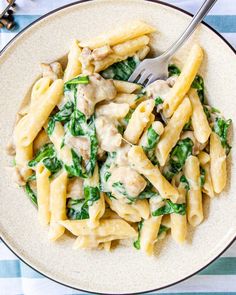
<point x="21" y="256"/>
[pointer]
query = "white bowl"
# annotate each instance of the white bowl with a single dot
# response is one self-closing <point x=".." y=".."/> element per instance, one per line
<point x="123" y="270"/>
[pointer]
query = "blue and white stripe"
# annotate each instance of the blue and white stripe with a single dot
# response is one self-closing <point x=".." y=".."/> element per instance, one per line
<point x="218" y="278"/>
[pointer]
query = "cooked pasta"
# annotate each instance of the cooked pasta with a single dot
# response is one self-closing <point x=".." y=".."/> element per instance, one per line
<point x="111" y="160"/>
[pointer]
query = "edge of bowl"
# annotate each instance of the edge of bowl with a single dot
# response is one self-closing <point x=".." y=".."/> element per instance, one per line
<point x="33" y="267"/>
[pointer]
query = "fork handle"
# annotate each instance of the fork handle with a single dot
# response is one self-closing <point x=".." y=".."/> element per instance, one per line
<point x="206" y="6"/>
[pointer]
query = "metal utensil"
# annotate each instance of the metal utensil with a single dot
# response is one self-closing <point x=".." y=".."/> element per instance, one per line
<point x="152" y="69"/>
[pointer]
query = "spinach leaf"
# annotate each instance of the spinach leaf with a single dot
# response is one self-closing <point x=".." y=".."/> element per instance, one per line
<point x="77" y="209"/>
<point x="202" y="176"/>
<point x="90" y="165"/>
<point x="187" y="126"/>
<point x="184" y="180"/>
<point x="72" y="84"/>
<point x="31" y="194"/>
<point x="110" y="196"/>
<point x="104" y="171"/>
<point x="214" y="110"/>
<point x="76" y="168"/>
<point x="62" y="116"/>
<point x="47" y="155"/>
<point x="31" y="177"/>
<point x="45" y="152"/>
<point x="178" y="156"/>
<point x="221" y="127"/>
<point x="76" y="124"/>
<point x="207" y="112"/>
<point x="173" y="70"/>
<point x="121" y="70"/>
<point x="120" y="188"/>
<point x="148" y="192"/>
<point x="137" y="242"/>
<point x="162" y="229"/>
<point x="91" y="194"/>
<point x="198" y="83"/>
<point x="152" y="140"/>
<point x="158" y="101"/>
<point x="170" y="208"/>
<point x="52" y="164"/>
<point x="128" y="116"/>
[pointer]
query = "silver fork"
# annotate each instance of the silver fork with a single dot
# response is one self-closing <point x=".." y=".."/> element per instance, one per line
<point x="152" y="69"/>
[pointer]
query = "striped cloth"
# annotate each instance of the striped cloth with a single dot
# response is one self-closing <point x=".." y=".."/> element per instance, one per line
<point x="219" y="277"/>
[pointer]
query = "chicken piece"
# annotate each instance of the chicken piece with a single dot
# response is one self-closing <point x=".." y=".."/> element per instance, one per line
<point x="132" y="182"/>
<point x="52" y="70"/>
<point x="98" y="89"/>
<point x="86" y="59"/>
<point x="108" y="136"/>
<point x="159" y="88"/>
<point x="101" y="52"/>
<point x="81" y="145"/>
<point x="75" y="188"/>
<point x="122" y="155"/>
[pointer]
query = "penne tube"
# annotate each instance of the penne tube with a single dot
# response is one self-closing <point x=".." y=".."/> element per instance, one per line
<point x="172" y="131"/>
<point x="139" y="121"/>
<point x="29" y="126"/>
<point x="57" y="205"/>
<point x="139" y="161"/>
<point x="126" y="87"/>
<point x="131" y="46"/>
<point x="201" y="130"/>
<point x="112" y="229"/>
<point x="43" y="193"/>
<point x="204" y="158"/>
<point x="63" y="153"/>
<point x="208" y="186"/>
<point x="39" y="88"/>
<point x="194" y="196"/>
<point x="74" y="66"/>
<point x="119" y="34"/>
<point x="178" y="221"/>
<point x="113" y="110"/>
<point x="129" y="98"/>
<point x="97" y="208"/>
<point x="184" y="81"/>
<point x="217" y="163"/>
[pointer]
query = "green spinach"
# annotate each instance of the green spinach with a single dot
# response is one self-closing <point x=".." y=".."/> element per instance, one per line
<point x="137" y="242"/>
<point x="91" y="194"/>
<point x="178" y="156"/>
<point x="173" y="70"/>
<point x="90" y="165"/>
<point x="31" y="194"/>
<point x="198" y="83"/>
<point x="152" y="140"/>
<point x="121" y="70"/>
<point x="72" y="84"/>
<point x="120" y="188"/>
<point x="221" y="127"/>
<point x="158" y="101"/>
<point x="170" y="208"/>
<point x="202" y="176"/>
<point x="185" y="182"/>
<point x="76" y="168"/>
<point x="62" y="116"/>
<point x="47" y="155"/>
<point x="77" y="209"/>
<point x="162" y="229"/>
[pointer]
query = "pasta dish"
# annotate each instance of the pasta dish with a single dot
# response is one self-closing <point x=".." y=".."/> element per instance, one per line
<point x="110" y="160"/>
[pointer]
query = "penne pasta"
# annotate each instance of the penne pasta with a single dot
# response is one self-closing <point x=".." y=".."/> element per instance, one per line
<point x="120" y="34"/>
<point x="201" y="131"/>
<point x="126" y="87"/>
<point x="217" y="163"/>
<point x="43" y="193"/>
<point x="74" y="66"/>
<point x="139" y="161"/>
<point x="184" y="81"/>
<point x="194" y="196"/>
<point x="57" y="205"/>
<point x="131" y="46"/>
<point x="138" y="121"/>
<point x="172" y="131"/>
